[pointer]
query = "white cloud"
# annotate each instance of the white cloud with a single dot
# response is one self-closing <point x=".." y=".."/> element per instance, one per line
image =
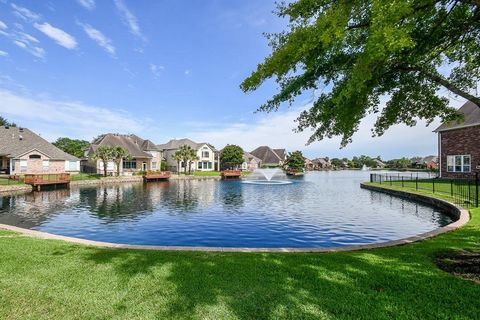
<point x="3" y="53"/>
<point x="65" y="118"/>
<point x="26" y="42"/>
<point x="87" y="4"/>
<point x="27" y="37"/>
<point x="129" y="19"/>
<point x="97" y="36"/>
<point x="156" y="69"/>
<point x="187" y="72"/>
<point x="276" y="130"/>
<point x="59" y="36"/>
<point x="3" y="25"/>
<point x="24" y="13"/>
<point x="20" y="44"/>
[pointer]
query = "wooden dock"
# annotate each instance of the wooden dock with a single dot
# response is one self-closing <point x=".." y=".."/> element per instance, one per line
<point x="37" y="181"/>
<point x="157" y="176"/>
<point x="231" y="174"/>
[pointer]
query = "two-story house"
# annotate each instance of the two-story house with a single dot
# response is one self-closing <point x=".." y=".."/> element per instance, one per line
<point x="270" y="157"/>
<point x="145" y="155"/>
<point x="459" y="144"/>
<point x="24" y="152"/>
<point x="207" y="155"/>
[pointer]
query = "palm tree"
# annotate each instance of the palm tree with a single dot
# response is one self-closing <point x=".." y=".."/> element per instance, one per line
<point x="177" y="156"/>
<point x="187" y="155"/>
<point x="120" y="153"/>
<point x="192" y="156"/>
<point x="106" y="154"/>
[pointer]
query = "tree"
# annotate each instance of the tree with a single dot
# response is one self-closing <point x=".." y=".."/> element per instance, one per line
<point x="106" y="154"/>
<point x="231" y="156"/>
<point x="191" y="155"/>
<point x="296" y="161"/>
<point x="177" y="156"/>
<point x="5" y="122"/>
<point x="366" y="51"/>
<point x="119" y="154"/>
<point x="72" y="146"/>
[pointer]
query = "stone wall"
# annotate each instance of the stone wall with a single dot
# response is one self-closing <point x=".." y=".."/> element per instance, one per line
<point x="464" y="141"/>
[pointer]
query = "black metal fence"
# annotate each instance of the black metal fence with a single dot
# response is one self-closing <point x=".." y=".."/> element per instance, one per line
<point x="464" y="192"/>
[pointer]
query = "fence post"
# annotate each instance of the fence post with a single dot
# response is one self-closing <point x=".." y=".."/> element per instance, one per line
<point x="433" y="185"/>
<point x="476" y="189"/>
<point x="402" y="182"/>
<point x="380" y="176"/>
<point x="416" y="183"/>
<point x="390" y="180"/>
<point x="469" y="192"/>
<point x="451" y="187"/>
<point x="371" y="177"/>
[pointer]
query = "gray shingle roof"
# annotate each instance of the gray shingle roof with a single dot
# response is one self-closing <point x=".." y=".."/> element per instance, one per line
<point x="471" y="114"/>
<point x="249" y="157"/>
<point x="267" y="155"/>
<point x="177" y="143"/>
<point x="135" y="145"/>
<point x="15" y="142"/>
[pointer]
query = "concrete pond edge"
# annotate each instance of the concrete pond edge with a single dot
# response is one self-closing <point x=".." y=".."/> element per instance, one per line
<point x="461" y="215"/>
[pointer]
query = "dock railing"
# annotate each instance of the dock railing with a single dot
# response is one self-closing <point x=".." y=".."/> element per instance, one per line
<point x="464" y="192"/>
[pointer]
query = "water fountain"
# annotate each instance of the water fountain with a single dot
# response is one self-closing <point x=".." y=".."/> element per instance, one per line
<point x="266" y="176"/>
<point x="365" y="168"/>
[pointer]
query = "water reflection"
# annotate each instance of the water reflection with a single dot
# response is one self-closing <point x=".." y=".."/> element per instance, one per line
<point x="321" y="209"/>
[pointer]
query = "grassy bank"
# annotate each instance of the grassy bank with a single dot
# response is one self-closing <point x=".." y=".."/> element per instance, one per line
<point x="52" y="279"/>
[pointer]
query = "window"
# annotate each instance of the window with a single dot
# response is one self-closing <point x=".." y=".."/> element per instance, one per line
<point x="199" y="165"/>
<point x="205" y="154"/>
<point x="72" y="165"/>
<point x="154" y="165"/>
<point x="459" y="163"/>
<point x="130" y="164"/>
<point x="23" y="165"/>
<point x="45" y="165"/>
<point x="34" y="156"/>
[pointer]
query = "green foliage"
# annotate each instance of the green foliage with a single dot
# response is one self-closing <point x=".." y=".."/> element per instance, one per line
<point x="5" y="122"/>
<point x="74" y="147"/>
<point x="366" y="51"/>
<point x="163" y="165"/>
<point x="231" y="156"/>
<point x="186" y="155"/>
<point x="296" y="161"/>
<point x="106" y="154"/>
<point x="119" y="154"/>
<point x="401" y="163"/>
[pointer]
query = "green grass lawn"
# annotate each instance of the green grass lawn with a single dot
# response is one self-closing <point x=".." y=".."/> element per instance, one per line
<point x="42" y="279"/>
<point x="10" y="182"/>
<point x="85" y="176"/>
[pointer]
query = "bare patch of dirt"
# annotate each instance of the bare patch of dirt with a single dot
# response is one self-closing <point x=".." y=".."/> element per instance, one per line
<point x="462" y="263"/>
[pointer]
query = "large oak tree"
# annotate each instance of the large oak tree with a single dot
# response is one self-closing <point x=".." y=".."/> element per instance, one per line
<point x="365" y="50"/>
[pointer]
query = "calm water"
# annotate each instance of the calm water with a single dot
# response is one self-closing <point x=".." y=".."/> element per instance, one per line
<point x="322" y="209"/>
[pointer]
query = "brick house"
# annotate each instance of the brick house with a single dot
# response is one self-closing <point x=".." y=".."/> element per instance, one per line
<point x="24" y="152"/>
<point x="145" y="155"/>
<point x="459" y="144"/>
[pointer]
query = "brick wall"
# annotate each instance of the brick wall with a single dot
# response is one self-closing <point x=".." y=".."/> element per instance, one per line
<point x="465" y="141"/>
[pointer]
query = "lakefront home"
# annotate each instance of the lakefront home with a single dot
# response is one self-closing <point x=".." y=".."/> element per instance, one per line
<point x="24" y="152"/>
<point x="459" y="144"/>
<point x="207" y="155"/>
<point x="250" y="162"/>
<point x="145" y="155"/>
<point x="269" y="156"/>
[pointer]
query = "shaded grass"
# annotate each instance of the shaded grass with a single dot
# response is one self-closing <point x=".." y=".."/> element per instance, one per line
<point x="42" y="279"/>
<point x="85" y="176"/>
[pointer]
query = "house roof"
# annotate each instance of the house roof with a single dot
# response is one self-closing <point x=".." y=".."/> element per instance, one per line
<point x="321" y="161"/>
<point x="135" y="145"/>
<point x="249" y="157"/>
<point x="177" y="143"/>
<point x="268" y="155"/>
<point x="16" y="141"/>
<point x="471" y="114"/>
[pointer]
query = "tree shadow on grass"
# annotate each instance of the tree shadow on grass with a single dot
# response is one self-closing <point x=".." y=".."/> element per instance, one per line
<point x="386" y="283"/>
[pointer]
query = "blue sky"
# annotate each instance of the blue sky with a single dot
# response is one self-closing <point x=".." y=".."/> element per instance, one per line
<point x="161" y="69"/>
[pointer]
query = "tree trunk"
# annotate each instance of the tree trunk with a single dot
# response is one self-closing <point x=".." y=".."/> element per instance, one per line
<point x="118" y="167"/>
<point x="178" y="167"/>
<point x="105" y="164"/>
<point x="189" y="167"/>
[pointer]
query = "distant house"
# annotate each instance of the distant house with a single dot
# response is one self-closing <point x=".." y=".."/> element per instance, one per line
<point x="379" y="163"/>
<point x="24" y="152"/>
<point x="145" y="155"/>
<point x="269" y="156"/>
<point x="321" y="163"/>
<point x="309" y="165"/>
<point x="208" y="156"/>
<point x="250" y="162"/>
<point x="459" y="144"/>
